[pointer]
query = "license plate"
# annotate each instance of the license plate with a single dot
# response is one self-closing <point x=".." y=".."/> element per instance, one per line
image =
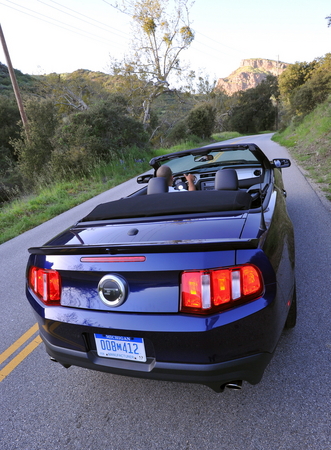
<point x="120" y="347"/>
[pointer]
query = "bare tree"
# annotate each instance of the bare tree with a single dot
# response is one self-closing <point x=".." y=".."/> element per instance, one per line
<point x="69" y="92"/>
<point x="159" y="37"/>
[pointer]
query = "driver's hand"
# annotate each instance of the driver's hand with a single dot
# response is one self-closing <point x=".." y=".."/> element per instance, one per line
<point x="190" y="181"/>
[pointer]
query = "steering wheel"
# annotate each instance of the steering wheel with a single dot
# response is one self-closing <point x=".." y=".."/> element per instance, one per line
<point x="179" y="184"/>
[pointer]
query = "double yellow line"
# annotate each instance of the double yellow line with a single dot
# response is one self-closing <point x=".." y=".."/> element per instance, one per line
<point x="10" y="366"/>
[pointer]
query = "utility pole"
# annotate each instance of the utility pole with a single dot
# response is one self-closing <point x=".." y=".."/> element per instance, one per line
<point x="14" y="82"/>
<point x="277" y="106"/>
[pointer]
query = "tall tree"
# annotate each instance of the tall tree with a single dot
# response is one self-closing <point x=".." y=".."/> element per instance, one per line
<point x="255" y="110"/>
<point x="315" y="90"/>
<point x="159" y="37"/>
<point x="293" y="77"/>
<point x="303" y="86"/>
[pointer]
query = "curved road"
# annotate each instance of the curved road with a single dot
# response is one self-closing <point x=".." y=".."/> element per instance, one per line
<point x="44" y="406"/>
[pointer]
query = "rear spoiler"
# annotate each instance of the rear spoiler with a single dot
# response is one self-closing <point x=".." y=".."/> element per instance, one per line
<point x="148" y="247"/>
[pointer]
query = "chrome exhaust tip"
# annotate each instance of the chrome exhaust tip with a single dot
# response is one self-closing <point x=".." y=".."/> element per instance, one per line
<point x="234" y="385"/>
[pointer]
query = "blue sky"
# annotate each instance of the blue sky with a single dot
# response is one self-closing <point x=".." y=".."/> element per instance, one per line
<point x="45" y="36"/>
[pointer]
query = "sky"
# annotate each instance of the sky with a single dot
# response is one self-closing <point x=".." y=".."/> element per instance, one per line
<point x="45" y="36"/>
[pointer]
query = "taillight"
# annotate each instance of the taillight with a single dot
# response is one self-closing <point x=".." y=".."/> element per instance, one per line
<point x="46" y="284"/>
<point x="209" y="291"/>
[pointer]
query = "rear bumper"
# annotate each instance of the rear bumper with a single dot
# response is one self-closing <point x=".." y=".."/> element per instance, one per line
<point x="215" y="376"/>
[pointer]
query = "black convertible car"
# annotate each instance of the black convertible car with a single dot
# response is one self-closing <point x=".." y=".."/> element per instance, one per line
<point x="193" y="286"/>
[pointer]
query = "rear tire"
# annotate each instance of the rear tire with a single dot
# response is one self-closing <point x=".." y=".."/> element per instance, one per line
<point x="292" y="313"/>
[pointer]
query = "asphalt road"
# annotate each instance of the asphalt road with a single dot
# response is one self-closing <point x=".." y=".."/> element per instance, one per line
<point x="44" y="406"/>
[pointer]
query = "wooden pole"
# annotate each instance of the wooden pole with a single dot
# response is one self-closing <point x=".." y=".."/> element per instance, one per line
<point x="14" y="82"/>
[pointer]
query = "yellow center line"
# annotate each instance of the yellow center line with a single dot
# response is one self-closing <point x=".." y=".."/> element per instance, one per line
<point x="19" y="358"/>
<point x="20" y="341"/>
<point x="22" y="354"/>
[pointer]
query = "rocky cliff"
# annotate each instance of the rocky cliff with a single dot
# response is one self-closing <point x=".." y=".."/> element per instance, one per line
<point x="250" y="73"/>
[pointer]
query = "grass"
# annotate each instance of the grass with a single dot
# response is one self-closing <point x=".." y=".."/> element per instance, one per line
<point x="310" y="144"/>
<point x="30" y="211"/>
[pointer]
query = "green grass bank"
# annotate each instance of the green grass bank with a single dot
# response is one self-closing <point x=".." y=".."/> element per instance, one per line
<point x="309" y="142"/>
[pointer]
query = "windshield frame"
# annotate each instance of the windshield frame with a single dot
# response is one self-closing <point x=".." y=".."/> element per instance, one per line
<point x="180" y="166"/>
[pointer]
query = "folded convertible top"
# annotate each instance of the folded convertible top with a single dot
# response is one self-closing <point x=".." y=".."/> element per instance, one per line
<point x="171" y="203"/>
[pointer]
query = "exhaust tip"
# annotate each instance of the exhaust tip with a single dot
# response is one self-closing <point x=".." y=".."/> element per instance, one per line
<point x="62" y="364"/>
<point x="234" y="385"/>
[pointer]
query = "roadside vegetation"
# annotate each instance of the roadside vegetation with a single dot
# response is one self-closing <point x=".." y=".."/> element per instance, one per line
<point x="88" y="131"/>
<point x="310" y="145"/>
<point x="29" y="211"/>
<point x="305" y="118"/>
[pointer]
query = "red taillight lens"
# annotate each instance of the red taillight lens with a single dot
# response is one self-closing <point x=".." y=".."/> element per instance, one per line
<point x="209" y="291"/>
<point x="46" y="284"/>
<point x="191" y="289"/>
<point x="221" y="286"/>
<point x="251" y="280"/>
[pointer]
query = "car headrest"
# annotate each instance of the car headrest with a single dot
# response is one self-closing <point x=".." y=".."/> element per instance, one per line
<point x="226" y="180"/>
<point x="157" y="185"/>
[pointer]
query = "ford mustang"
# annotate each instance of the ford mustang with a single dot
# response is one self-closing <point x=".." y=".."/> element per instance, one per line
<point x="170" y="283"/>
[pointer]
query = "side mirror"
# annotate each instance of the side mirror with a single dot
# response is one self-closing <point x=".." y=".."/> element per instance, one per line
<point x="280" y="163"/>
<point x="144" y="179"/>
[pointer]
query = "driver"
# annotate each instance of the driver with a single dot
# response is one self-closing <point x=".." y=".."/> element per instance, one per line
<point x="166" y="172"/>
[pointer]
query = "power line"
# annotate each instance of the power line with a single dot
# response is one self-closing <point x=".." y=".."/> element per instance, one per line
<point x="83" y="15"/>
<point x="209" y="47"/>
<point x="62" y="25"/>
<point x="101" y="26"/>
<point x="217" y="42"/>
<point x="101" y="23"/>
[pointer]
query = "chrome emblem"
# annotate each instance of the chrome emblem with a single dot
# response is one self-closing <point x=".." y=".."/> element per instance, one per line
<point x="112" y="290"/>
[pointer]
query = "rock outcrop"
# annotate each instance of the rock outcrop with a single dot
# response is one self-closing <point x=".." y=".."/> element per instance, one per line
<point x="250" y="73"/>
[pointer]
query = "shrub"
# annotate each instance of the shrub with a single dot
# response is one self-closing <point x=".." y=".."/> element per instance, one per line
<point x="201" y="121"/>
<point x="9" y="127"/>
<point x="178" y="133"/>
<point x="98" y="134"/>
<point x="34" y="152"/>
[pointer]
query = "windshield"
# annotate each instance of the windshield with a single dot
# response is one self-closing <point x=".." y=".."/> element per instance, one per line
<point x="220" y="158"/>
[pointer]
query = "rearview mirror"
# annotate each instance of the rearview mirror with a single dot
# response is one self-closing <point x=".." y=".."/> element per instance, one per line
<point x="203" y="158"/>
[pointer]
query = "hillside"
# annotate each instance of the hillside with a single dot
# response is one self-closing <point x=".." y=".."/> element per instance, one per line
<point x="310" y="144"/>
<point x="25" y="81"/>
<point x="250" y="73"/>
